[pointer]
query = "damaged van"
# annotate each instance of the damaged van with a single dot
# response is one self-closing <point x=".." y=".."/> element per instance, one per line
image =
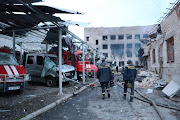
<point x="43" y="68"/>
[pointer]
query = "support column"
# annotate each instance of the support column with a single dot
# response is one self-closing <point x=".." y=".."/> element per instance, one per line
<point x="60" y="61"/>
<point x="83" y="65"/>
<point x="46" y="47"/>
<point x="94" y="60"/>
<point x="14" y="53"/>
<point x="21" y="54"/>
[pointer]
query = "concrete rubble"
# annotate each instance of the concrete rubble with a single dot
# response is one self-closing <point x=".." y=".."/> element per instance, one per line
<point x="149" y="80"/>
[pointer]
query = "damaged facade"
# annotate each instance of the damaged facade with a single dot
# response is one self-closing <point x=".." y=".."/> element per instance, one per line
<point x="118" y="44"/>
<point x="163" y="56"/>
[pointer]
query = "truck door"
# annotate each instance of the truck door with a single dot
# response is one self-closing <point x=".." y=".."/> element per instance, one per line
<point x="30" y="64"/>
<point x="39" y="66"/>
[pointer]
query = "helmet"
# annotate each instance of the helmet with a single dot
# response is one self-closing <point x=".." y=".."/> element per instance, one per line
<point x="129" y="62"/>
<point x="103" y="59"/>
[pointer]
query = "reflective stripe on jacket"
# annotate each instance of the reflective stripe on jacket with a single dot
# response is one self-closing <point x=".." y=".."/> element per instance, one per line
<point x="129" y="73"/>
<point x="104" y="73"/>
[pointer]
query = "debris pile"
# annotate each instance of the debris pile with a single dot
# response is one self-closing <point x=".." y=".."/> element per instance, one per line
<point x="149" y="80"/>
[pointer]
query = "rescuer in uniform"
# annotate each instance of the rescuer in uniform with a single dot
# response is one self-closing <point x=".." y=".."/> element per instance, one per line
<point x="104" y="74"/>
<point x="129" y="77"/>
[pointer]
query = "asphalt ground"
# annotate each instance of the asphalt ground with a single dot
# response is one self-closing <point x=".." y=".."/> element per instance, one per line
<point x="89" y="105"/>
<point x="35" y="97"/>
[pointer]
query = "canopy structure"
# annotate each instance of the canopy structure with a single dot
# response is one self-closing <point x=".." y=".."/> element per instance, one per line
<point x="23" y="22"/>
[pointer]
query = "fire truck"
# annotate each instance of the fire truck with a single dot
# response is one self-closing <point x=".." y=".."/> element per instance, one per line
<point x="78" y="62"/>
<point x="12" y="75"/>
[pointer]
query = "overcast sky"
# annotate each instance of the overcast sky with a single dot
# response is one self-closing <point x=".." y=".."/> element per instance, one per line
<point x="112" y="13"/>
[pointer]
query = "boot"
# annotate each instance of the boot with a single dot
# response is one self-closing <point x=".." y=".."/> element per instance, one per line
<point x="124" y="97"/>
<point x="109" y="95"/>
<point x="103" y="97"/>
<point x="131" y="99"/>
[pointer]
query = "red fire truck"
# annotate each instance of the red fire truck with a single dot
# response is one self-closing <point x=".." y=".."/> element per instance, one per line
<point x="12" y="75"/>
<point x="79" y="61"/>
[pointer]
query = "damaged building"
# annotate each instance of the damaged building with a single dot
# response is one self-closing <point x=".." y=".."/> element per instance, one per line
<point x="118" y="44"/>
<point x="162" y="51"/>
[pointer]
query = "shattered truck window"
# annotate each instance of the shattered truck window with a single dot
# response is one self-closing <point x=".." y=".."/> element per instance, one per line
<point x="117" y="49"/>
<point x="129" y="50"/>
<point x="137" y="47"/>
<point x="7" y="59"/>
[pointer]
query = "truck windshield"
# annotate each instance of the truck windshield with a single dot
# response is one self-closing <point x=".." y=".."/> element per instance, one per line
<point x="79" y="57"/>
<point x="7" y="59"/>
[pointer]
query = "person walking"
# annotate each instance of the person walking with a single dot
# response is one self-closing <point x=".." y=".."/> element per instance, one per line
<point x="104" y="74"/>
<point x="129" y="77"/>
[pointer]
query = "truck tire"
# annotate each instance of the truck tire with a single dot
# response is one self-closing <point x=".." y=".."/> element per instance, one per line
<point x="50" y="82"/>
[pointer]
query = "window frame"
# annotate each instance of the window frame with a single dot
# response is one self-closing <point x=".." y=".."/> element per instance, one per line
<point x="104" y="37"/>
<point x="97" y="42"/>
<point x="105" y="45"/>
<point x="170" y="50"/>
<point x="127" y="35"/>
<point x="136" y="36"/>
<point x="144" y="35"/>
<point x="112" y="37"/>
<point x="105" y="55"/>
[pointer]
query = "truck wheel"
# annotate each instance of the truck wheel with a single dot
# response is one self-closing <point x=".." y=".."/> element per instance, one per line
<point x="50" y="82"/>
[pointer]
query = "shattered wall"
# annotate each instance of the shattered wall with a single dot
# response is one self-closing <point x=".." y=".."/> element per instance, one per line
<point x="168" y="69"/>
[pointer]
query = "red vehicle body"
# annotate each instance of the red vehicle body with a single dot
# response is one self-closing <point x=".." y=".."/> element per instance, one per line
<point x="79" y="61"/>
<point x="12" y="75"/>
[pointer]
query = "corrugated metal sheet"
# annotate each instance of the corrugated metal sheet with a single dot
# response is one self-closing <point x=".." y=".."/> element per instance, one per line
<point x="171" y="89"/>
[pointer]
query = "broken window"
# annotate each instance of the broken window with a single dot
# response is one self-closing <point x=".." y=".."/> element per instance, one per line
<point x="129" y="50"/>
<point x="105" y="37"/>
<point x="87" y="38"/>
<point x="96" y="42"/>
<point x="117" y="49"/>
<point x="137" y="36"/>
<point x="30" y="59"/>
<point x="120" y="37"/>
<point x="40" y="60"/>
<point x="128" y="36"/>
<point x="105" y="54"/>
<point x="113" y="37"/>
<point x="154" y="55"/>
<point x="121" y="63"/>
<point x="105" y="46"/>
<point x="170" y="50"/>
<point x="136" y="49"/>
<point x="145" y="35"/>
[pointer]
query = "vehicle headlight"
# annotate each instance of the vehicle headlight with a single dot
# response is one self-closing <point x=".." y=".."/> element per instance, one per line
<point x="26" y="77"/>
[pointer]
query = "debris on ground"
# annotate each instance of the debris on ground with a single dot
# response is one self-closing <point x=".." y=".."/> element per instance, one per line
<point x="149" y="79"/>
<point x="171" y="89"/>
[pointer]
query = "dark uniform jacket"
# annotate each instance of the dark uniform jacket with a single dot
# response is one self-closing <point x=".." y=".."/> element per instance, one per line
<point x="129" y="73"/>
<point x="104" y="73"/>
